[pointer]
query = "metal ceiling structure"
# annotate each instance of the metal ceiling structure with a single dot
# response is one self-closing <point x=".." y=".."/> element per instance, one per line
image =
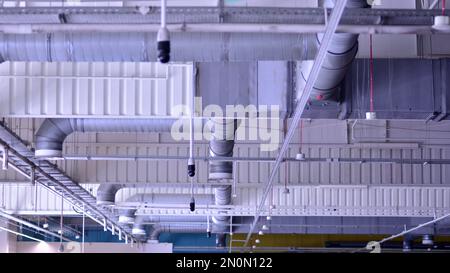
<point x="226" y="20"/>
<point x="358" y="142"/>
<point x="231" y="15"/>
<point x="47" y="175"/>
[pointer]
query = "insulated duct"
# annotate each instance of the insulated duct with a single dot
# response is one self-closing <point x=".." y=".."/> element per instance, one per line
<point x="53" y="132"/>
<point x="222" y="145"/>
<point x="141" y="47"/>
<point x="106" y="193"/>
<point x="127" y="216"/>
<point x="341" y="53"/>
<point x="154" y="235"/>
<point x="141" y="221"/>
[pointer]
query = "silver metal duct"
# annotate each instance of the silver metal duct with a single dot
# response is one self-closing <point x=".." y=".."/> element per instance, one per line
<point x="222" y="145"/>
<point x="106" y="193"/>
<point x="341" y="53"/>
<point x="157" y="230"/>
<point x="128" y="216"/>
<point x="154" y="235"/>
<point x="223" y="198"/>
<point x="53" y="132"/>
<point x="141" y="47"/>
<point x="141" y="221"/>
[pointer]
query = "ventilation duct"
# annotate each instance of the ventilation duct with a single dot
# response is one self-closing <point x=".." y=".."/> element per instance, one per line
<point x="154" y="235"/>
<point x="141" y="47"/>
<point x="53" y="132"/>
<point x="127" y="216"/>
<point x="156" y="232"/>
<point x="341" y="53"/>
<point x="222" y="145"/>
<point x="167" y="219"/>
<point x="106" y="193"/>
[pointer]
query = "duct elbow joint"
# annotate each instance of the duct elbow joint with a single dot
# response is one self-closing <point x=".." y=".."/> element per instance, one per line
<point x="106" y="194"/>
<point x="163" y="45"/>
<point x="50" y="137"/>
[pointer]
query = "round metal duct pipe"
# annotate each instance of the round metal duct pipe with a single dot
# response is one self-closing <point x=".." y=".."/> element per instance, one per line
<point x="341" y="53"/>
<point x="53" y="132"/>
<point x="141" y="47"/>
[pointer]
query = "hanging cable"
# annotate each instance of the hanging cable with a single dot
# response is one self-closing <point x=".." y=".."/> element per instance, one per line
<point x="83" y="230"/>
<point x="300" y="155"/>
<point x="61" y="246"/>
<point x="301" y="135"/>
<point x="371" y="74"/>
<point x="163" y="37"/>
<point x="443" y="7"/>
<point x="286" y="190"/>
<point x="191" y="161"/>
<point x="208" y="229"/>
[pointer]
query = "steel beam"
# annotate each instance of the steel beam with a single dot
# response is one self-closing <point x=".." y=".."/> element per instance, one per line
<point x="188" y="15"/>
<point x="28" y="224"/>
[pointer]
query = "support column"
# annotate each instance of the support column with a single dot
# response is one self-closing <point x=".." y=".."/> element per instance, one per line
<point x="8" y="241"/>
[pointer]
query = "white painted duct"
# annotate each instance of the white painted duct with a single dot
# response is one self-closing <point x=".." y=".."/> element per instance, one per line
<point x="53" y="132"/>
<point x="341" y="53"/>
<point x="141" y="47"/>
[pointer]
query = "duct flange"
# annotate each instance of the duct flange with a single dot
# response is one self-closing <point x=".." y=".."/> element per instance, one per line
<point x="49" y="154"/>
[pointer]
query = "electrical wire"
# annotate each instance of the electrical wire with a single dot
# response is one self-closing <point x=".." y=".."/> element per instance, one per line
<point x="83" y="230"/>
<point x="25" y="228"/>
<point x="286" y="163"/>
<point x="61" y="224"/>
<point x="163" y="13"/>
<point x="301" y="135"/>
<point x="443" y="7"/>
<point x="371" y="73"/>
